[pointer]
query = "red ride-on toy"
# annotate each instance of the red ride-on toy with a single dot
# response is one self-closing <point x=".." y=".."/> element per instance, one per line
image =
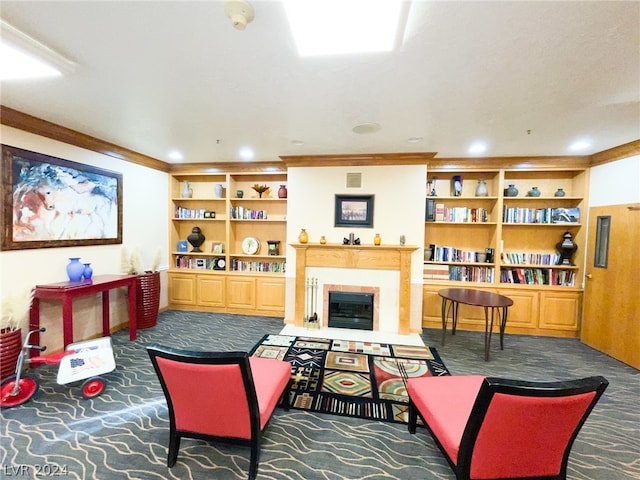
<point x="80" y="361"/>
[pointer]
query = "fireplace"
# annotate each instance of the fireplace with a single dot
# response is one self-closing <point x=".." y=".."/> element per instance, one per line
<point x="351" y="310"/>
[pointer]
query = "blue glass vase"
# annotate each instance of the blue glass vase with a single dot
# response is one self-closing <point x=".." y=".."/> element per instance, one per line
<point x="75" y="269"/>
<point x="88" y="271"/>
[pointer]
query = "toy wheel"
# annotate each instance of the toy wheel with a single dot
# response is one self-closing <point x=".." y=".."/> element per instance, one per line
<point x="27" y="388"/>
<point x="92" y="387"/>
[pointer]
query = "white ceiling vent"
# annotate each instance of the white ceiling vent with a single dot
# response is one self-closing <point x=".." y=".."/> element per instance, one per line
<point x="354" y="180"/>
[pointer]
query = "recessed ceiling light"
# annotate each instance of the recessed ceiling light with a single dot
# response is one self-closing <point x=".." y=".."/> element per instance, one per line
<point x="175" y="155"/>
<point x="366" y="128"/>
<point x="579" y="145"/>
<point x="297" y="143"/>
<point x="330" y="27"/>
<point x="414" y="139"/>
<point x="477" y="148"/>
<point x="246" y="153"/>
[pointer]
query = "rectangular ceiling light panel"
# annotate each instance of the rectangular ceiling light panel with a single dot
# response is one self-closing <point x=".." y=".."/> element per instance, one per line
<point x="332" y="27"/>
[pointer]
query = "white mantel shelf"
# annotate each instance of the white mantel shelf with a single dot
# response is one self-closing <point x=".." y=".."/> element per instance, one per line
<point x="375" y="257"/>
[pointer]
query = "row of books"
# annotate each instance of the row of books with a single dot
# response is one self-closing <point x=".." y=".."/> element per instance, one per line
<point x="541" y="215"/>
<point x="242" y="213"/>
<point x="458" y="273"/>
<point x="438" y="212"/>
<point x="238" y="265"/>
<point x="538" y="276"/>
<point x="450" y="254"/>
<point x="471" y="274"/>
<point x="516" y="258"/>
<point x="182" y="212"/>
<point x="208" y="263"/>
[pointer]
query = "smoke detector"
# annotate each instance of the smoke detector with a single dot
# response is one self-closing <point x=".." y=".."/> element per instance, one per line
<point x="240" y="12"/>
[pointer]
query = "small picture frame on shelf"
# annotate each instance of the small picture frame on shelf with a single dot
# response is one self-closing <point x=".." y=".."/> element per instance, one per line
<point x="217" y="247"/>
<point x="209" y="214"/>
<point x="200" y="263"/>
<point x="183" y="246"/>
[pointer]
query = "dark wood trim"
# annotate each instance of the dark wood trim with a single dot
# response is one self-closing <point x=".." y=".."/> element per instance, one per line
<point x="44" y="128"/>
<point x="616" y="153"/>
<point x="357" y="160"/>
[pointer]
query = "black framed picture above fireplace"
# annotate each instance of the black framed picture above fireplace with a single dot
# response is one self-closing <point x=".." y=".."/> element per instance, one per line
<point x="354" y="211"/>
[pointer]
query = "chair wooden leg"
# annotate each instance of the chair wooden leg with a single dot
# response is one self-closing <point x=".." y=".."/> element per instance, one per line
<point x="413" y="417"/>
<point x="255" y="458"/>
<point x="174" y="446"/>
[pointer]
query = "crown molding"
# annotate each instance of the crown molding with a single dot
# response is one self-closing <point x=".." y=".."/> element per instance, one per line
<point x="28" y="123"/>
<point x="616" y="153"/>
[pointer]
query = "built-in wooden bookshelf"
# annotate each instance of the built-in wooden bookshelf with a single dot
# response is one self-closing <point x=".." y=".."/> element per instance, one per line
<point x="226" y="276"/>
<point x="507" y="244"/>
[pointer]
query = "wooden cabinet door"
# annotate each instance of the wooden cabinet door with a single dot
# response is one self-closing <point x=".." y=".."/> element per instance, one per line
<point x="560" y="310"/>
<point x="182" y="289"/>
<point x="211" y="290"/>
<point x="431" y="307"/>
<point x="270" y="295"/>
<point x="522" y="316"/>
<point x="241" y="293"/>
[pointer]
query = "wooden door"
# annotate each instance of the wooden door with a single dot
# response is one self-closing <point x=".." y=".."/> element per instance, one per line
<point x="611" y="319"/>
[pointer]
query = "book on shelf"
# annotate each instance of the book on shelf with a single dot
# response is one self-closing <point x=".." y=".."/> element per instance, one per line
<point x="439" y="213"/>
<point x="435" y="272"/>
<point x="430" y="210"/>
<point x="565" y="215"/>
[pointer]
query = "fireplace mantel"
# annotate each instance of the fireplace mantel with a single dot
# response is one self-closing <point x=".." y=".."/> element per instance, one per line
<point x="374" y="257"/>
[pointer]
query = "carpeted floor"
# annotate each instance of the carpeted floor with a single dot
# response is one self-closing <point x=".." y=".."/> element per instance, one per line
<point x="351" y="378"/>
<point x="123" y="433"/>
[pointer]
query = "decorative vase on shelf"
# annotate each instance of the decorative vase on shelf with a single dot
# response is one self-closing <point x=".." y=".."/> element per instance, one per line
<point x="239" y="193"/>
<point x="511" y="191"/>
<point x="481" y="189"/>
<point x="196" y="238"/>
<point x="282" y="191"/>
<point x="559" y="193"/>
<point x="187" y="191"/>
<point x="75" y="269"/>
<point x="303" y="237"/>
<point x="218" y="190"/>
<point x="534" y="192"/>
<point x="377" y="240"/>
<point x="323" y="240"/>
<point x="88" y="271"/>
<point x="566" y="248"/>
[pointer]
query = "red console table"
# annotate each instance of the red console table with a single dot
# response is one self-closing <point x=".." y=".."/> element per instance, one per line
<point x="67" y="291"/>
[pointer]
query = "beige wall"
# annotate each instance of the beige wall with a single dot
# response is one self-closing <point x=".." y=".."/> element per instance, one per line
<point x="615" y="183"/>
<point x="145" y="224"/>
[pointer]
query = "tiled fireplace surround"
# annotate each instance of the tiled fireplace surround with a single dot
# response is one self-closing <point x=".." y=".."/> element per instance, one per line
<point x="384" y="271"/>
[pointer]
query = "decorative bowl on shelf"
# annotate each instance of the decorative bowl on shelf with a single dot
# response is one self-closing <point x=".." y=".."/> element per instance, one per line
<point x="260" y="189"/>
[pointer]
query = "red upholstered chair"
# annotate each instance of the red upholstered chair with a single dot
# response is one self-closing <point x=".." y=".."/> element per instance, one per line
<point x="226" y="396"/>
<point x="492" y="428"/>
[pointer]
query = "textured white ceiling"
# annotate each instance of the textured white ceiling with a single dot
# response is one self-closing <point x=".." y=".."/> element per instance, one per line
<point x="157" y="76"/>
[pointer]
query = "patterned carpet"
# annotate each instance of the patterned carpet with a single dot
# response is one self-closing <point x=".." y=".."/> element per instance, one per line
<point x="123" y="434"/>
<point x="351" y="378"/>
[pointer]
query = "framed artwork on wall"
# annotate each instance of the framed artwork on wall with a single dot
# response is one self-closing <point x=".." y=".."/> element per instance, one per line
<point x="354" y="211"/>
<point x="51" y="202"/>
